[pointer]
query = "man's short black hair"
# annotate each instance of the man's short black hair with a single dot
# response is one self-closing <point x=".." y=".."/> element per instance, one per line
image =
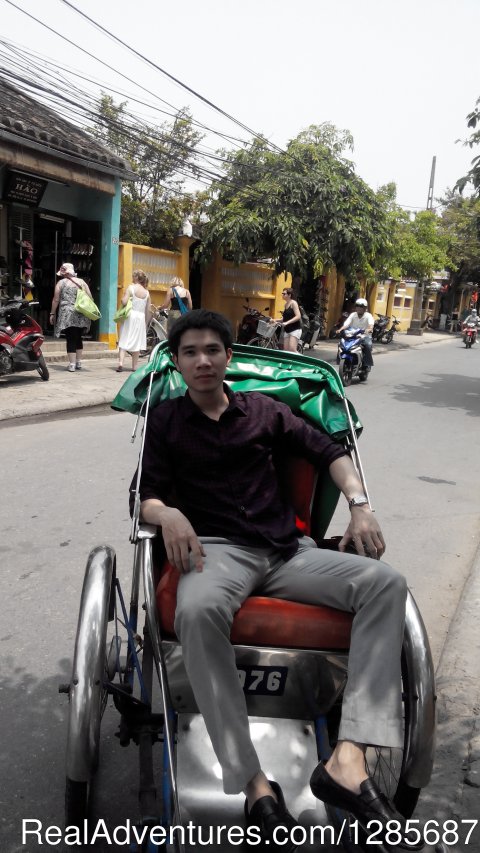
<point x="200" y="319"/>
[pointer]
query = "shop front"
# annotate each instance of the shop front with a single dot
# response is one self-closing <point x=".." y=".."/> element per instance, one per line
<point x="60" y="195"/>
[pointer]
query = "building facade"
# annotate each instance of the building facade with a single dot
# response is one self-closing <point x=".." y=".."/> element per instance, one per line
<point x="60" y="198"/>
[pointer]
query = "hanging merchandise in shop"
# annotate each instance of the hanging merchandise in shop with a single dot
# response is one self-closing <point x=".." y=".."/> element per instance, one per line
<point x="23" y="188"/>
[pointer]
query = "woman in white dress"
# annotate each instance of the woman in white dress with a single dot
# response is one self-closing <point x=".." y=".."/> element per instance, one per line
<point x="133" y="334"/>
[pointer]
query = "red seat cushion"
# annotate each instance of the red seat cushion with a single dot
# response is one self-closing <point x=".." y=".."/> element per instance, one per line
<point x="268" y="621"/>
<point x="272" y="621"/>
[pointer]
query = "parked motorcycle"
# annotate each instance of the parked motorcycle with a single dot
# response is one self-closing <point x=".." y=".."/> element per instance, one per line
<point x="469" y="334"/>
<point x="427" y="323"/>
<point x="387" y="336"/>
<point x="248" y="326"/>
<point x="380" y="326"/>
<point x="350" y="357"/>
<point x="311" y="328"/>
<point x="21" y="340"/>
<point x="338" y="325"/>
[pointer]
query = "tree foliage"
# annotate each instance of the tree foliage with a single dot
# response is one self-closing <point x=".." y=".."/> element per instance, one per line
<point x="304" y="207"/>
<point x="473" y="175"/>
<point x="415" y="247"/>
<point x="153" y="206"/>
<point x="460" y="224"/>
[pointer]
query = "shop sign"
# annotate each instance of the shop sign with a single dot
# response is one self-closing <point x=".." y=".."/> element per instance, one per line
<point x="24" y="188"/>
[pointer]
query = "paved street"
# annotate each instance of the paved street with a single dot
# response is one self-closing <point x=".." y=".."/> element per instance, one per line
<point x="67" y="479"/>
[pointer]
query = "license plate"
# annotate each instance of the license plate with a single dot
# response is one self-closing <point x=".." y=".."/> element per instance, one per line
<point x="263" y="680"/>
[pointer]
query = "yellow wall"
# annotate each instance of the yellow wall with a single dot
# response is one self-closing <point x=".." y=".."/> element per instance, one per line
<point x="159" y="265"/>
<point x="395" y="299"/>
<point x="226" y="287"/>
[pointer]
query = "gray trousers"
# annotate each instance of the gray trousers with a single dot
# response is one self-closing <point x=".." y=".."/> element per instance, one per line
<point x="207" y="602"/>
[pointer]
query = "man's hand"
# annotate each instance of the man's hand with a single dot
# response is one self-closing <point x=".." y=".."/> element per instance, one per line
<point x="181" y="541"/>
<point x="364" y="531"/>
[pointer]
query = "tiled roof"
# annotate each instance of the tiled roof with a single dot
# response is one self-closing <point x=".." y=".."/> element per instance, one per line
<point x="31" y="121"/>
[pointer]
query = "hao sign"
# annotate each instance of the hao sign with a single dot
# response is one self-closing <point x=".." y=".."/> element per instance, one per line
<point x="24" y="188"/>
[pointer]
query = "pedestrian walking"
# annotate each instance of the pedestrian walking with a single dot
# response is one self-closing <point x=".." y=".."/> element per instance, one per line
<point x="133" y="334"/>
<point x="291" y="322"/>
<point x="67" y="320"/>
<point x="177" y="301"/>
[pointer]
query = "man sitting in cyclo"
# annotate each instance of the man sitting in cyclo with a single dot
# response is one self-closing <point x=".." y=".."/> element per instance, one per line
<point x="233" y="534"/>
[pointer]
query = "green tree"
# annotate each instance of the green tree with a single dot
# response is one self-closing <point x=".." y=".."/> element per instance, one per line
<point x="460" y="224"/>
<point x="415" y="247"/>
<point x="304" y="207"/>
<point x="153" y="206"/>
<point x="473" y="175"/>
<point x="422" y="246"/>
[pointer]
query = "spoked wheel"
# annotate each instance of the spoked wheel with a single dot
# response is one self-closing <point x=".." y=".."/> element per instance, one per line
<point x="264" y="343"/>
<point x="152" y="340"/>
<point x="345" y="372"/>
<point x="387" y="765"/>
<point x="87" y="689"/>
<point x="43" y="369"/>
<point x="387" y="338"/>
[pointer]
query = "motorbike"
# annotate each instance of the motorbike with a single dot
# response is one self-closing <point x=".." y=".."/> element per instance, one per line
<point x="380" y="326"/>
<point x="311" y="328"/>
<point x="387" y="336"/>
<point x="469" y="334"/>
<point x="350" y="357"/>
<point x="21" y="340"/>
<point x="248" y="325"/>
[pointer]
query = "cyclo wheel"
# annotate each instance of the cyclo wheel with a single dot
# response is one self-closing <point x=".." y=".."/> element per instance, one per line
<point x="43" y="369"/>
<point x="394" y="770"/>
<point x="345" y="371"/>
<point x="87" y="691"/>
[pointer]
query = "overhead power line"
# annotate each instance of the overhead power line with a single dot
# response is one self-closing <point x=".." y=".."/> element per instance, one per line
<point x="158" y="68"/>
<point x="225" y="136"/>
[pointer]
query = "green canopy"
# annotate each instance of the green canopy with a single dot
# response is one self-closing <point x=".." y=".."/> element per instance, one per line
<point x="308" y="386"/>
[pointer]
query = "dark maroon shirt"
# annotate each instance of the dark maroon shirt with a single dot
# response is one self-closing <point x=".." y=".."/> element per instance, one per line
<point x="222" y="474"/>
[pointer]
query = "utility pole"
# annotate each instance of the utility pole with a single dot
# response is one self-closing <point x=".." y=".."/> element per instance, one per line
<point x="416" y="321"/>
<point x="430" y="188"/>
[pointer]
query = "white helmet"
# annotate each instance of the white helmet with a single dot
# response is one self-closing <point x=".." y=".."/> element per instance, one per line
<point x="362" y="302"/>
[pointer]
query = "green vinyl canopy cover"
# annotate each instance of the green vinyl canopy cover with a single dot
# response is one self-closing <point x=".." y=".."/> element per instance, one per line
<point x="310" y="387"/>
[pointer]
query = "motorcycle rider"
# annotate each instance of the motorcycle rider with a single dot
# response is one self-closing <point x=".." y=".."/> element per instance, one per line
<point x="362" y="319"/>
<point x="472" y="318"/>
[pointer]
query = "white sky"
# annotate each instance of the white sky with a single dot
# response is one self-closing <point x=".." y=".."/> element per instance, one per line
<point x="401" y="76"/>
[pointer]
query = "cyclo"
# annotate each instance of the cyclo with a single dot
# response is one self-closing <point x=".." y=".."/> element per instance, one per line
<point x="291" y="658"/>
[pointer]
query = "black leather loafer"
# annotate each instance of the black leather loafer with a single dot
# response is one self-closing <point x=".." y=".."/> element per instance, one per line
<point x="369" y="805"/>
<point x="267" y="815"/>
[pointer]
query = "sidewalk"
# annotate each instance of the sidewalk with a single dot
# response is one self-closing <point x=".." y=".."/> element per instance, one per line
<point x="25" y="395"/>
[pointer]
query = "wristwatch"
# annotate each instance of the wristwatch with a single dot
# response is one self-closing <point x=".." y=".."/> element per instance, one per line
<point x="358" y="500"/>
